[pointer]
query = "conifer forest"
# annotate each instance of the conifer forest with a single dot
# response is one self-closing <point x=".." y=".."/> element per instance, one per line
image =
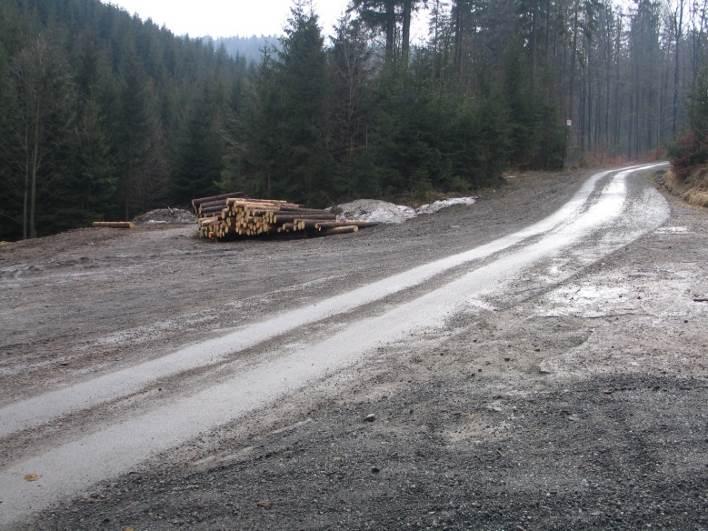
<point x="104" y="116"/>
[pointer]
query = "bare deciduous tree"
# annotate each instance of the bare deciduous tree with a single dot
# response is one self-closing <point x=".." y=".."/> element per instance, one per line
<point x="45" y="94"/>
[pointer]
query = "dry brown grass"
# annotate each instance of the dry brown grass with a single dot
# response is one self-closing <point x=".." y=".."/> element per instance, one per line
<point x="693" y="190"/>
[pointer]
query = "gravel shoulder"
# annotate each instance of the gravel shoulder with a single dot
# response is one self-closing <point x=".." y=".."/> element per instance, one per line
<point x="580" y="405"/>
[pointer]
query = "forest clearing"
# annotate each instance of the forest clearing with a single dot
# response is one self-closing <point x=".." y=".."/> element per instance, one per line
<point x="505" y="327"/>
<point x="521" y="349"/>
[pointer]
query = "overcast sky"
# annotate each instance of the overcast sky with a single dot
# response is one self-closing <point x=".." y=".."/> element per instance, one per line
<point x="224" y="18"/>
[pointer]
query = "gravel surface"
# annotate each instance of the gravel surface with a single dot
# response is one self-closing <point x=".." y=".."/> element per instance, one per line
<point x="170" y="216"/>
<point x="570" y="404"/>
<point x="119" y="297"/>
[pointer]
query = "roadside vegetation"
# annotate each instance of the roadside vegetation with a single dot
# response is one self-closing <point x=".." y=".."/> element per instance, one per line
<point x="689" y="156"/>
<point x="105" y="116"/>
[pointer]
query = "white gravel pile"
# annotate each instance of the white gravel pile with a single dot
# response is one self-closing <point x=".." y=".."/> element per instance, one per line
<point x="163" y="216"/>
<point x="377" y="211"/>
<point x="437" y="206"/>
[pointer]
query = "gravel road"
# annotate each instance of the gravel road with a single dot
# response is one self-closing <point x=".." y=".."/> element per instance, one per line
<point x="547" y="372"/>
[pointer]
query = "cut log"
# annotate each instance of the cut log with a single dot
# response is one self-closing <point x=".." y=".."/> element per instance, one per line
<point x="113" y="224"/>
<point x="199" y="200"/>
<point x="342" y="230"/>
<point x="259" y="203"/>
<point x="211" y="210"/>
<point x="288" y="218"/>
<point x="205" y="222"/>
<point x="304" y="211"/>
<point x="333" y="224"/>
<point x="221" y="203"/>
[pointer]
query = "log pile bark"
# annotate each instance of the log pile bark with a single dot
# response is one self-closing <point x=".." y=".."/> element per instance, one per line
<point x="234" y="216"/>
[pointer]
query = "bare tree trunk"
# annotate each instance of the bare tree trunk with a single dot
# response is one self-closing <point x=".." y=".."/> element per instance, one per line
<point x="571" y="90"/>
<point x="406" y="44"/>
<point x="604" y="115"/>
<point x="35" y="169"/>
<point x="548" y="30"/>
<point x="533" y="45"/>
<point x="128" y="185"/>
<point x="618" y="58"/>
<point x="436" y="40"/>
<point x="25" y="202"/>
<point x="587" y="100"/>
<point x="390" y="30"/>
<point x="698" y="41"/>
<point x="635" y="114"/>
<point x="608" y="81"/>
<point x="660" y="110"/>
<point x="678" y="33"/>
<point x="459" y="41"/>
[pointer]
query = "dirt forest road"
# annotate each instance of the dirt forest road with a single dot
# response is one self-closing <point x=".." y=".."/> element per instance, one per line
<point x="535" y="361"/>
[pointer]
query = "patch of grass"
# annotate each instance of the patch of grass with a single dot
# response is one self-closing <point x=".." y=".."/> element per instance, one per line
<point x="697" y="197"/>
<point x="693" y="189"/>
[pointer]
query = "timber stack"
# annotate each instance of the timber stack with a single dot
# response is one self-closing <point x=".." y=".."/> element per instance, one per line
<point x="233" y="216"/>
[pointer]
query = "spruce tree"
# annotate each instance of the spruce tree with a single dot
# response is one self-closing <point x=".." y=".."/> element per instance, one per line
<point x="198" y="169"/>
<point x="303" y="170"/>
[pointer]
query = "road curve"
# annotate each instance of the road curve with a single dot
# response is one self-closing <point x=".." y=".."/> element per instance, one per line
<point x="603" y="216"/>
<point x="45" y="407"/>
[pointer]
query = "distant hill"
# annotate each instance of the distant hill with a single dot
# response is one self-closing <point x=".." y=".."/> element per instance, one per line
<point x="250" y="48"/>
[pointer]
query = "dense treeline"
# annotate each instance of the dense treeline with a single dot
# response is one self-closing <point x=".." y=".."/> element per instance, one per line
<point x="690" y="152"/>
<point x="96" y="109"/>
<point x="368" y="115"/>
<point x="104" y="116"/>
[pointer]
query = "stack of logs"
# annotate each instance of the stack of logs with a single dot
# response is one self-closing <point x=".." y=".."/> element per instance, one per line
<point x="233" y="216"/>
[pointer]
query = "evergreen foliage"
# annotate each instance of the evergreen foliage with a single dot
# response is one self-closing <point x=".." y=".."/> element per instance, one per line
<point x="691" y="149"/>
<point x="103" y="116"/>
